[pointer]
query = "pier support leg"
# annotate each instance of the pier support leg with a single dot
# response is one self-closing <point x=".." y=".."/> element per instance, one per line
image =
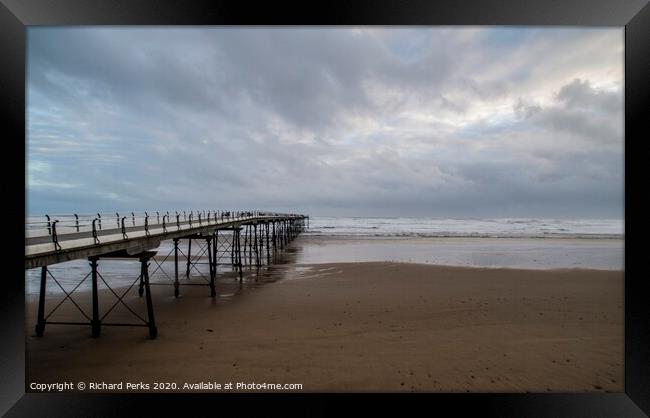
<point x="250" y="245"/>
<point x="151" y="321"/>
<point x="189" y="257"/>
<point x="40" y="323"/>
<point x="268" y="250"/>
<point x="213" y="292"/>
<point x="141" y="286"/>
<point x="245" y="239"/>
<point x="215" y="242"/>
<point x="95" y="323"/>
<point x="283" y="237"/>
<point x="274" y="242"/>
<point x="232" y="248"/>
<point x="257" y="250"/>
<point x="176" y="283"/>
<point x="239" y="264"/>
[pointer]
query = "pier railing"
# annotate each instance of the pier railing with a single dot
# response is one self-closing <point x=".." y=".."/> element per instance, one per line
<point x="58" y="238"/>
<point x="63" y="224"/>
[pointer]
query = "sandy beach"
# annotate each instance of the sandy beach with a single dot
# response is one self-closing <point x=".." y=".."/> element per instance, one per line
<point x="373" y="326"/>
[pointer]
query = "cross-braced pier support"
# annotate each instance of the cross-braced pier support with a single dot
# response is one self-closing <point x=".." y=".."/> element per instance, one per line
<point x="217" y="247"/>
<point x="191" y="262"/>
<point x="269" y="238"/>
<point x="95" y="321"/>
<point x="227" y="249"/>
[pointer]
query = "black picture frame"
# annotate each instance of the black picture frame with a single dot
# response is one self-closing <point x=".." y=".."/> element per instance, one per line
<point x="16" y="15"/>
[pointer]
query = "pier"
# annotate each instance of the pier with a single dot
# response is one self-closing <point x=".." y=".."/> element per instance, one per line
<point x="130" y="236"/>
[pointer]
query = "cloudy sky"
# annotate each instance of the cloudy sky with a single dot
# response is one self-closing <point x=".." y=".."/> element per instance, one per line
<point x="452" y="122"/>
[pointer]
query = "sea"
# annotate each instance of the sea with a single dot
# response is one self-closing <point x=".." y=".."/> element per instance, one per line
<point x="483" y="228"/>
<point x="524" y="243"/>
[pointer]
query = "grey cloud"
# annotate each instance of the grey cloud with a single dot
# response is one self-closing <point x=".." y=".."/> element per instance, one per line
<point x="581" y="110"/>
<point x="580" y="94"/>
<point x="379" y="121"/>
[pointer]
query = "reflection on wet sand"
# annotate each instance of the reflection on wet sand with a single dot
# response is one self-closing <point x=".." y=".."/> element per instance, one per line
<point x="228" y="284"/>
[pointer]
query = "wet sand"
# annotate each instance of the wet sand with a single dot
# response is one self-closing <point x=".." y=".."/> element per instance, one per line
<point x="376" y="326"/>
